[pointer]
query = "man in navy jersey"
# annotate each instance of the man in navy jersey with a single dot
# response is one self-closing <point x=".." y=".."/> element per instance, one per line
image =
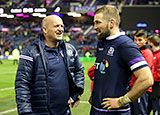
<point x="50" y="77"/>
<point x="118" y="57"/>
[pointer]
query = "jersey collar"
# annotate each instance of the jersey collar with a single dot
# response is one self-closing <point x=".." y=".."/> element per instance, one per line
<point x="115" y="36"/>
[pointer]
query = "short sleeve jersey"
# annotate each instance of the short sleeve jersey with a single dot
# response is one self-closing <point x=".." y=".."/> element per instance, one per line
<point x="116" y="61"/>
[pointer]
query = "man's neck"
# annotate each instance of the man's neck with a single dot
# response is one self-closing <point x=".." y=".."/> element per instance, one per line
<point x="114" y="31"/>
<point x="51" y="43"/>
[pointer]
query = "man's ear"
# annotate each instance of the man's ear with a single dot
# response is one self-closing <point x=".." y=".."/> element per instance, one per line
<point x="44" y="29"/>
<point x="112" y="23"/>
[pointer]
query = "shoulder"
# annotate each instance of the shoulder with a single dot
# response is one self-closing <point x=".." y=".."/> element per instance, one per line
<point x="70" y="47"/>
<point x="147" y="50"/>
<point x="30" y="47"/>
<point x="147" y="53"/>
<point x="125" y="41"/>
<point x="156" y="55"/>
<point x="157" y="52"/>
<point x="30" y="50"/>
<point x="71" y="50"/>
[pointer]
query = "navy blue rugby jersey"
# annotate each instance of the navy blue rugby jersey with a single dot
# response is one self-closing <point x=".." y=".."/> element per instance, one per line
<point x="116" y="61"/>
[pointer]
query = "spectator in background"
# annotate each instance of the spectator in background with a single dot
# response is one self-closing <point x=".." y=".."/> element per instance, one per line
<point x="15" y="54"/>
<point x="50" y="76"/>
<point x="66" y="37"/>
<point x="154" y="41"/>
<point x="118" y="57"/>
<point x="88" y="54"/>
<point x="91" y="73"/>
<point x="6" y="53"/>
<point x="140" y="105"/>
<point x="91" y="76"/>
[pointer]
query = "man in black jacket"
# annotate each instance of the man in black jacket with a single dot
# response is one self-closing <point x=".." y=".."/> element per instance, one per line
<point x="50" y="77"/>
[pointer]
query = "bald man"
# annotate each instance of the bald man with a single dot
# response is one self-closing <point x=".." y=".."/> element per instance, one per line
<point x="50" y="76"/>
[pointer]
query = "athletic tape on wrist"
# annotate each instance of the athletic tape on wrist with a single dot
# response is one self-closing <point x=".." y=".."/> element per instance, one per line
<point x="124" y="100"/>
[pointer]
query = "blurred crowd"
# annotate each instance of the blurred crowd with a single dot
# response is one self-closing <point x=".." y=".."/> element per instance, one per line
<point x="20" y="34"/>
<point x="49" y="3"/>
<point x="78" y="31"/>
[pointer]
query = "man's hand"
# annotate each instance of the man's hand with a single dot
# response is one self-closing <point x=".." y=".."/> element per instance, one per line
<point x="110" y="103"/>
<point x="74" y="104"/>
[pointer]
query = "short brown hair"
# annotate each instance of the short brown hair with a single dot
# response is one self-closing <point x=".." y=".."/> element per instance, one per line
<point x="109" y="12"/>
<point x="141" y="33"/>
<point x="154" y="39"/>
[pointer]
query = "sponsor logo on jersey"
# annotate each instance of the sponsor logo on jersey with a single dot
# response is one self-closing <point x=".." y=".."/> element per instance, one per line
<point x="100" y="49"/>
<point x="72" y="59"/>
<point x="102" y="66"/>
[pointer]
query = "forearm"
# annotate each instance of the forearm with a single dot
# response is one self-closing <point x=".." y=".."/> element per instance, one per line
<point x="143" y="82"/>
<point x="137" y="90"/>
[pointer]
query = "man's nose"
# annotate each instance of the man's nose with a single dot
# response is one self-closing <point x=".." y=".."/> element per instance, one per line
<point x="95" y="27"/>
<point x="61" y="28"/>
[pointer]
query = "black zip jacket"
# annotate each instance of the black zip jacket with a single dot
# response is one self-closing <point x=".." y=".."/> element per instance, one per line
<point x="31" y="84"/>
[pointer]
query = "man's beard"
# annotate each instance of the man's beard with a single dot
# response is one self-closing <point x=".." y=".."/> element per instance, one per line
<point x="104" y="35"/>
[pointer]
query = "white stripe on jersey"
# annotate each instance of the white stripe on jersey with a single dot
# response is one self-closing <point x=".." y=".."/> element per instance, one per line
<point x="134" y="66"/>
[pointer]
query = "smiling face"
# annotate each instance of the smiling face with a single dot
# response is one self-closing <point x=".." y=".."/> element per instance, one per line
<point x="53" y="28"/>
<point x="101" y="26"/>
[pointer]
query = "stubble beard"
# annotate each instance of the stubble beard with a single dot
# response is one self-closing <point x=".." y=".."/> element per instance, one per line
<point x="104" y="35"/>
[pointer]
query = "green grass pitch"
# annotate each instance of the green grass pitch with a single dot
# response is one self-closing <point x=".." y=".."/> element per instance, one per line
<point x="7" y="92"/>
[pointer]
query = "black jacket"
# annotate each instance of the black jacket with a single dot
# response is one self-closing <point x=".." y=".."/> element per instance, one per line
<point x="31" y="83"/>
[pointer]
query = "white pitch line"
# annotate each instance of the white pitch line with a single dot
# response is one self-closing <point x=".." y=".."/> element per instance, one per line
<point x="4" y="89"/>
<point x="8" y="111"/>
<point x="6" y="72"/>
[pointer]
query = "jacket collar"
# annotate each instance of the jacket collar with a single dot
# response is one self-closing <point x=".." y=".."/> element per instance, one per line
<point x="145" y="47"/>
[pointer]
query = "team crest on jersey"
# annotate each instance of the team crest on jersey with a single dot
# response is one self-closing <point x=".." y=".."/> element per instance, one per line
<point x="70" y="52"/>
<point x="110" y="51"/>
<point x="102" y="66"/>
